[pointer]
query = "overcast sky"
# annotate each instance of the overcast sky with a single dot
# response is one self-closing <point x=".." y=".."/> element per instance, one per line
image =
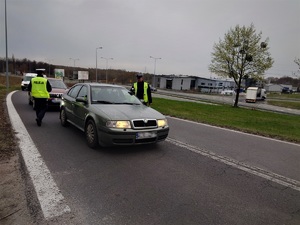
<point x="180" y="32"/>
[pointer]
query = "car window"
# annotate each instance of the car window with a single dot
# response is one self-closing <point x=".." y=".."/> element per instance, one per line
<point x="112" y="95"/>
<point x="57" y="84"/>
<point x="28" y="78"/>
<point x="83" y="92"/>
<point x="74" y="91"/>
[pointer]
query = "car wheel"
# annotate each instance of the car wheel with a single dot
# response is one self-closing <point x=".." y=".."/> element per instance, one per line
<point x="91" y="134"/>
<point x="63" y="117"/>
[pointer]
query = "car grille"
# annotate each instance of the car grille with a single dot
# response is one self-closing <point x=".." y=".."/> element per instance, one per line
<point x="53" y="95"/>
<point x="140" y="124"/>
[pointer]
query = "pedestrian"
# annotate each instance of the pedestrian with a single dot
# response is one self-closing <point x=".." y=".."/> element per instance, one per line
<point x="39" y="88"/>
<point x="142" y="90"/>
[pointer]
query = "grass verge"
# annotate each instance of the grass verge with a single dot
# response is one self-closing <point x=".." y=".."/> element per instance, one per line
<point x="269" y="124"/>
<point x="7" y="138"/>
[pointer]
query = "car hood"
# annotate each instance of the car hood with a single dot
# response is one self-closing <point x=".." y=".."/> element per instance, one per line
<point x="126" y="112"/>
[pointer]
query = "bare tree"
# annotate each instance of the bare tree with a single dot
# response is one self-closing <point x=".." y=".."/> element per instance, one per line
<point x="241" y="55"/>
<point x="296" y="74"/>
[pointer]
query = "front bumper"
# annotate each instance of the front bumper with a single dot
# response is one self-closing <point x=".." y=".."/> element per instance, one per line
<point x="132" y="137"/>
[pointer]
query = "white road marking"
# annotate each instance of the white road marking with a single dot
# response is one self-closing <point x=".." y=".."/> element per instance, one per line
<point x="285" y="181"/>
<point x="51" y="200"/>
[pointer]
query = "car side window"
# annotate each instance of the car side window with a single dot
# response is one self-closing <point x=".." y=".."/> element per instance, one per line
<point x="83" y="92"/>
<point x="74" y="91"/>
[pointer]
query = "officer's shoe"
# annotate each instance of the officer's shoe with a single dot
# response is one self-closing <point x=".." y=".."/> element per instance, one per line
<point x="38" y="122"/>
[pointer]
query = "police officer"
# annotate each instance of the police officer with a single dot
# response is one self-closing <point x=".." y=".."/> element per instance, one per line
<point x="142" y="90"/>
<point x="40" y="88"/>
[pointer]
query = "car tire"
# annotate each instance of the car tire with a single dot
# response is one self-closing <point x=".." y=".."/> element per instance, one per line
<point x="63" y="118"/>
<point x="91" y="134"/>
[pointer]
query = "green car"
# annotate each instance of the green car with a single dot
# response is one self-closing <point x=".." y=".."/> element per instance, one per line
<point x="110" y="115"/>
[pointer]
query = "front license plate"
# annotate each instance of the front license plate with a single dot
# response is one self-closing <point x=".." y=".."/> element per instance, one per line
<point x="143" y="135"/>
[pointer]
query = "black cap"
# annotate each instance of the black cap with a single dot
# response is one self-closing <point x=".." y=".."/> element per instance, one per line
<point x="139" y="75"/>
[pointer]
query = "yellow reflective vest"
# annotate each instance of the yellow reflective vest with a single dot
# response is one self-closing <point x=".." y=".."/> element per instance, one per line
<point x="145" y="90"/>
<point x="39" y="87"/>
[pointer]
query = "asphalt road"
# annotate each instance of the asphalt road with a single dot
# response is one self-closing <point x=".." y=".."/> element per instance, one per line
<point x="200" y="175"/>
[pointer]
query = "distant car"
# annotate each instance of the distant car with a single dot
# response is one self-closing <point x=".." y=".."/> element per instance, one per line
<point x="109" y="115"/>
<point x="286" y="90"/>
<point x="58" y="88"/>
<point x="152" y="88"/>
<point x="26" y="80"/>
<point x="227" y="92"/>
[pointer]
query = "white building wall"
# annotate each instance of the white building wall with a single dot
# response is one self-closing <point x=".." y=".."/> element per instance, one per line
<point x="273" y="88"/>
<point x="203" y="84"/>
<point x="163" y="83"/>
<point x="181" y="83"/>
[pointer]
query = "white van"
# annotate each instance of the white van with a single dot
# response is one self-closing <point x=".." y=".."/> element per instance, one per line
<point x="254" y="94"/>
<point x="26" y="79"/>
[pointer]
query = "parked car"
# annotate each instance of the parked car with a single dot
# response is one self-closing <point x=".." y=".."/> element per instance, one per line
<point x="58" y="88"/>
<point x="109" y="115"/>
<point x="153" y="89"/>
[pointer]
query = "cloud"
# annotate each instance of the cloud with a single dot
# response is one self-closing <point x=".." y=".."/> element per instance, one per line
<point x="182" y="33"/>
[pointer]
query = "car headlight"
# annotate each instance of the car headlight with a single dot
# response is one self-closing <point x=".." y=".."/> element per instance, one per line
<point x="162" y="123"/>
<point x="118" y="124"/>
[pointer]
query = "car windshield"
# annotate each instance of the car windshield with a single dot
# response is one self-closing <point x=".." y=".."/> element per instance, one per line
<point x="112" y="95"/>
<point x="27" y="78"/>
<point x="57" y="84"/>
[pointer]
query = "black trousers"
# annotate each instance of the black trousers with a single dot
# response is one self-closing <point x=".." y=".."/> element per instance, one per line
<point x="40" y="106"/>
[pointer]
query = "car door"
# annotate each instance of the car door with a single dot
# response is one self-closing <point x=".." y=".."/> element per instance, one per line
<point x="80" y="108"/>
<point x="70" y="100"/>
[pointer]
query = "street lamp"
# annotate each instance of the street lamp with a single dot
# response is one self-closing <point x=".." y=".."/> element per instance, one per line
<point x="153" y="81"/>
<point x="106" y="64"/>
<point x="7" y="79"/>
<point x="74" y="65"/>
<point x="96" y="64"/>
<point x="74" y="60"/>
<point x="49" y="60"/>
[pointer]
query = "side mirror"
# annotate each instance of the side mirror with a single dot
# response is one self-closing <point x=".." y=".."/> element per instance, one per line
<point x="82" y="99"/>
<point x="131" y="91"/>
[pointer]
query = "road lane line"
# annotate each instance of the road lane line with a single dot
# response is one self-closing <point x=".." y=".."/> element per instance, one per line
<point x="51" y="200"/>
<point x="285" y="181"/>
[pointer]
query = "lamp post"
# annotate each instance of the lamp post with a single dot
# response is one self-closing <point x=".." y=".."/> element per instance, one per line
<point x="7" y="79"/>
<point x="49" y="60"/>
<point x="74" y="60"/>
<point x="154" y="80"/>
<point x="74" y="65"/>
<point x="96" y="64"/>
<point x="106" y="64"/>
